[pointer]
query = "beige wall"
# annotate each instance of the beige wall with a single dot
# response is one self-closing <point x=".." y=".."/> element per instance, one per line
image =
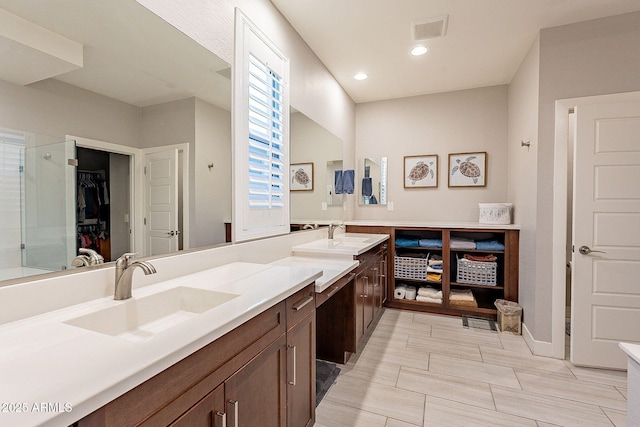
<point x="212" y="186"/>
<point x="594" y="57"/>
<point x="314" y="91"/>
<point x="54" y="108"/>
<point x="522" y="172"/>
<point x="452" y="122"/>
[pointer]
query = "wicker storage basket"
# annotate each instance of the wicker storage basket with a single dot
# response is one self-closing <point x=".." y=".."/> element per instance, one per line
<point x="477" y="273"/>
<point x="410" y="267"/>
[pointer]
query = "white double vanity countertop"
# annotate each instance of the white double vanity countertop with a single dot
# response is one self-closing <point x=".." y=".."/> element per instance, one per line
<point x="60" y="366"/>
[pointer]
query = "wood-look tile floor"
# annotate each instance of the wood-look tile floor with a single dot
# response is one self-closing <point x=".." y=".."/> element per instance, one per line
<point x="427" y="370"/>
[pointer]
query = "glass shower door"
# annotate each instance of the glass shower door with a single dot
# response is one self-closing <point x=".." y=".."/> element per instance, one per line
<point x="48" y="184"/>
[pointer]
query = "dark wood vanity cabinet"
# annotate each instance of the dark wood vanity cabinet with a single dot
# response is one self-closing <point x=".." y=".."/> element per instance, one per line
<point x="261" y="374"/>
<point x="369" y="289"/>
<point x="347" y="310"/>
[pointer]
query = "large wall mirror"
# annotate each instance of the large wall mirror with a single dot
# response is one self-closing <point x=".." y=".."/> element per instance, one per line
<point x="373" y="181"/>
<point x="315" y="155"/>
<point x="141" y="89"/>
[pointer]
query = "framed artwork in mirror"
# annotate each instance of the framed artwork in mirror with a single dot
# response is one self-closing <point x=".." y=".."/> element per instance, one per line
<point x="421" y="171"/>
<point x="468" y="169"/>
<point x="301" y="176"/>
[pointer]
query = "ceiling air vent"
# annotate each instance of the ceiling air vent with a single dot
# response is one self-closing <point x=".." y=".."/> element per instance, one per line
<point x="429" y="28"/>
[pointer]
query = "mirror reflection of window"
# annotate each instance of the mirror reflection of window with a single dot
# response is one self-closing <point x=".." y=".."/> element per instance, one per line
<point x="373" y="181"/>
<point x="334" y="183"/>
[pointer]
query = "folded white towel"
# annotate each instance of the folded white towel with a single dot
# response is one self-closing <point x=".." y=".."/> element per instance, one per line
<point x="462" y="243"/>
<point x="461" y="295"/>
<point x="430" y="292"/>
<point x="427" y="299"/>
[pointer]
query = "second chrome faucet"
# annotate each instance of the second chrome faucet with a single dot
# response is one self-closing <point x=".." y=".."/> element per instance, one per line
<point x="124" y="274"/>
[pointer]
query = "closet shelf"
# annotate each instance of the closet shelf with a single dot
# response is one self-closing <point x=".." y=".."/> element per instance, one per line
<point x="471" y="285"/>
<point x="482" y="251"/>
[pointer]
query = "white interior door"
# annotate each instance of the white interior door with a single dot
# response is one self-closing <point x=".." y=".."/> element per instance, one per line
<point x="161" y="177"/>
<point x="606" y="234"/>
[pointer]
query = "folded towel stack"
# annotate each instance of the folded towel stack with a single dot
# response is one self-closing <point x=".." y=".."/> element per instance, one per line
<point x="428" y="291"/>
<point x="434" y="269"/>
<point x="428" y="299"/>
<point x="462" y="243"/>
<point x="429" y="294"/>
<point x="434" y="277"/>
<point x="489" y="245"/>
<point x="464" y="298"/>
<point x="430" y="243"/>
<point x="407" y="242"/>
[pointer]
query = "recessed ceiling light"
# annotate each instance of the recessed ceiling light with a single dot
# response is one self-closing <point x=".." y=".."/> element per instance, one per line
<point x="419" y="50"/>
<point x="360" y="76"/>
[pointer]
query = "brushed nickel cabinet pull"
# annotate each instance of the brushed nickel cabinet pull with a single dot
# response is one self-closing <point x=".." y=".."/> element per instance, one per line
<point x="220" y="419"/>
<point x="232" y="410"/>
<point x="333" y="292"/>
<point x="297" y="306"/>
<point x="292" y="364"/>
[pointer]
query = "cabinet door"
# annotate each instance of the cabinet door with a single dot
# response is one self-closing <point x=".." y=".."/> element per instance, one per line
<point x="209" y="412"/>
<point x="360" y="298"/>
<point x="301" y="373"/>
<point x="369" y="296"/>
<point x="256" y="394"/>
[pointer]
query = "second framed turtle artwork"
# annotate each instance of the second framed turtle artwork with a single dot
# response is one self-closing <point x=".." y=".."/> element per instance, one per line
<point x="421" y="171"/>
<point x="468" y="169"/>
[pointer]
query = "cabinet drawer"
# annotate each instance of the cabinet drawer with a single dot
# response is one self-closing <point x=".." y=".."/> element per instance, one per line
<point x="333" y="289"/>
<point x="300" y="304"/>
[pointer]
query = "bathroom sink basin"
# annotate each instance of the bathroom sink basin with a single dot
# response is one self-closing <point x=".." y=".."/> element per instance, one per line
<point x="349" y="239"/>
<point x="342" y="244"/>
<point x="138" y="319"/>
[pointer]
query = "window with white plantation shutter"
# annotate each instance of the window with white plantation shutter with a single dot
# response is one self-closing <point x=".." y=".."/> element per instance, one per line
<point x="266" y="141"/>
<point x="261" y="135"/>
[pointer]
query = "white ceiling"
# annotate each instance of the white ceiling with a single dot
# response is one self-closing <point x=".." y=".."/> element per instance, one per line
<point x="485" y="42"/>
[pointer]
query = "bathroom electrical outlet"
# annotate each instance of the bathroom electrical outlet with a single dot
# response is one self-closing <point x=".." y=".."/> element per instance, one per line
<point x="324" y="206"/>
<point x="390" y="206"/>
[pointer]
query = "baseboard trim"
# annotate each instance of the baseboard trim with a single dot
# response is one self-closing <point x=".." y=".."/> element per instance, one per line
<point x="539" y="348"/>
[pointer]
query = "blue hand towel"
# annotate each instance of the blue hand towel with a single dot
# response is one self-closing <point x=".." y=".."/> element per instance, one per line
<point x="367" y="188"/>
<point x="489" y="245"/>
<point x="348" y="178"/>
<point x="431" y="243"/>
<point x="407" y="242"/>
<point x="338" y="182"/>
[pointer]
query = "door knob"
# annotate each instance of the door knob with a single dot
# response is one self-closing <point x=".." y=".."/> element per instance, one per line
<point x="586" y="250"/>
<point x="171" y="233"/>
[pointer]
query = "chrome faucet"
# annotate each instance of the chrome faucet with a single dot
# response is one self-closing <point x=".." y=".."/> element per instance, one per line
<point x="313" y="226"/>
<point x="87" y="257"/>
<point x="124" y="273"/>
<point x="332" y="228"/>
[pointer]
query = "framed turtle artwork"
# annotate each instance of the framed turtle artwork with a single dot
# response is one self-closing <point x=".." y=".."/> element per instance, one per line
<point x="468" y="169"/>
<point x="301" y="176"/>
<point x="421" y="171"/>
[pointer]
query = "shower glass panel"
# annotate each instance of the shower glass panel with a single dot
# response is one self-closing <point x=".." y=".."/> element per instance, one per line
<point x="48" y="190"/>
